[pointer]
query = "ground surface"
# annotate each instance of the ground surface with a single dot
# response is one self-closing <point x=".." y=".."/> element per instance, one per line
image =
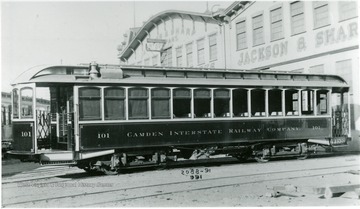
<point x="225" y="185"/>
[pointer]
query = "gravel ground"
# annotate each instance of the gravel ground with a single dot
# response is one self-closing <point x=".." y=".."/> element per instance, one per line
<point x="227" y="185"/>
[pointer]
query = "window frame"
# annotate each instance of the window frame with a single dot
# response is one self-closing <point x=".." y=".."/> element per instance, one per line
<point x="130" y="98"/>
<point x="160" y="98"/>
<point x="240" y="32"/>
<point x="315" y="7"/>
<point x="202" y="49"/>
<point x="341" y="12"/>
<point x="272" y="22"/>
<point x="258" y="28"/>
<point x="292" y="16"/>
<point x="123" y="98"/>
<point x="212" y="46"/>
<point x="99" y="98"/>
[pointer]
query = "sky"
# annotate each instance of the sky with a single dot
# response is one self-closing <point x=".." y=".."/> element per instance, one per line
<point x="70" y="32"/>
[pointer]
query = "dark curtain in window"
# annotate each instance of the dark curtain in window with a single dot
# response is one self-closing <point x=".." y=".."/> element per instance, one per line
<point x="90" y="103"/>
<point x="114" y="103"/>
<point x="138" y="103"/>
<point x="160" y="104"/>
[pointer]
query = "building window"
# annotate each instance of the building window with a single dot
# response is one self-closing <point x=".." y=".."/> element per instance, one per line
<point x="241" y="35"/>
<point x="179" y="56"/>
<point x="213" y="47"/>
<point x="344" y="69"/>
<point x="189" y="54"/>
<point x="166" y="57"/>
<point x="297" y="17"/>
<point x="347" y="10"/>
<point x="155" y="60"/>
<point x="221" y="103"/>
<point x="138" y="103"/>
<point x="114" y="103"/>
<point x="258" y="30"/>
<point x="201" y="51"/>
<point x="90" y="103"/>
<point x="276" y="24"/>
<point x="147" y="62"/>
<point x="182" y="103"/>
<point x="317" y="69"/>
<point x="160" y="103"/>
<point x="321" y="14"/>
<point x="202" y="99"/>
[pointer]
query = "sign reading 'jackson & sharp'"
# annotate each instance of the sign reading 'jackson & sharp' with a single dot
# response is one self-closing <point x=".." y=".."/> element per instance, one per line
<point x="95" y="136"/>
<point x="319" y="38"/>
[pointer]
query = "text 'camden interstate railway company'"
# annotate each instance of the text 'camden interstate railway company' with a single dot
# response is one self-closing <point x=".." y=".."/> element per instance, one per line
<point x="213" y="132"/>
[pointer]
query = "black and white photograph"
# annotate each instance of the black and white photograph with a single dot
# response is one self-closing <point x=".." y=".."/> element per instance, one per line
<point x="108" y="104"/>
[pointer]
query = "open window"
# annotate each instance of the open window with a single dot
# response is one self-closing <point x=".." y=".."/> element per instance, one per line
<point x="221" y="103"/>
<point x="240" y="103"/>
<point x="275" y="102"/>
<point x="202" y="102"/>
<point x="15" y="98"/>
<point x="182" y="103"/>
<point x="258" y="103"/>
<point x="26" y="102"/>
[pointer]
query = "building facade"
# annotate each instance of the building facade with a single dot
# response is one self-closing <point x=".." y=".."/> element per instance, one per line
<point x="297" y="36"/>
<point x="175" y="38"/>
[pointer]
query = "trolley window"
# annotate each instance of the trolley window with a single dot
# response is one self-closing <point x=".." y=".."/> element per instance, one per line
<point x="90" y="103"/>
<point x="291" y="102"/>
<point x="258" y="102"/>
<point x="160" y="103"/>
<point x="182" y="103"/>
<point x="322" y="102"/>
<point x="15" y="108"/>
<point x="202" y="99"/>
<point x="307" y="102"/>
<point x="240" y="103"/>
<point x="138" y="103"/>
<point x="114" y="103"/>
<point x="275" y="102"/>
<point x="26" y="102"/>
<point x="221" y="103"/>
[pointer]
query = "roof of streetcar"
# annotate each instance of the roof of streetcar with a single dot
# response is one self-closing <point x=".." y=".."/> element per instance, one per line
<point x="152" y="75"/>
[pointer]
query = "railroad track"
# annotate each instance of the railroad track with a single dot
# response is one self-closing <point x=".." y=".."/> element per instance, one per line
<point x="118" y="195"/>
<point x="49" y="172"/>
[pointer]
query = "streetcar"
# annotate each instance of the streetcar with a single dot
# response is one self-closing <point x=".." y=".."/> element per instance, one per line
<point x="110" y="117"/>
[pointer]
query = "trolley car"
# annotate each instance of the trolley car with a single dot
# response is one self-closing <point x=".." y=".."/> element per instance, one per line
<point x="109" y="117"/>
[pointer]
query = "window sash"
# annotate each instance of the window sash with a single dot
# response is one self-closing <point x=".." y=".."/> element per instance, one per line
<point x="321" y="14"/>
<point x="241" y="35"/>
<point x="347" y="10"/>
